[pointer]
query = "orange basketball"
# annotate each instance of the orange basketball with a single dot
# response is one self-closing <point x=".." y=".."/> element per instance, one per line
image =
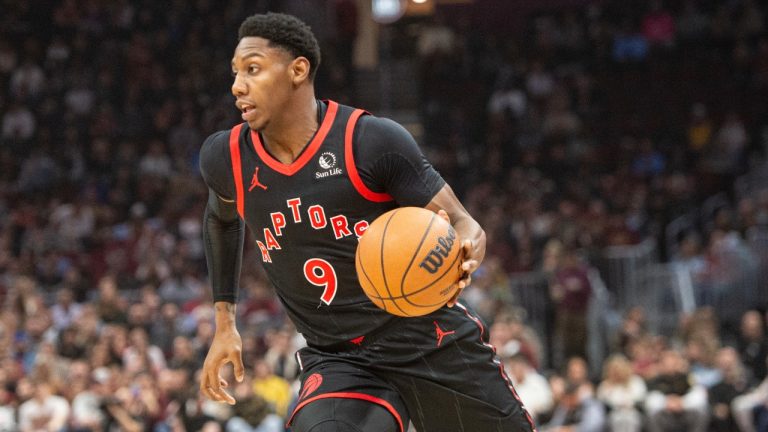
<point x="408" y="261"/>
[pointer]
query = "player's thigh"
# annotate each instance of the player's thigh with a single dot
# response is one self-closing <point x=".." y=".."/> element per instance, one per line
<point x="338" y="392"/>
<point x="461" y="385"/>
<point x="344" y="415"/>
<point x="436" y="408"/>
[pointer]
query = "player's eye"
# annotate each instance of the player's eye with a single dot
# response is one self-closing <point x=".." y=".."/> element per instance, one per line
<point x="253" y="68"/>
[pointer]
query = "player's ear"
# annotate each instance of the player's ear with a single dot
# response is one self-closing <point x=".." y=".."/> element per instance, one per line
<point x="299" y="70"/>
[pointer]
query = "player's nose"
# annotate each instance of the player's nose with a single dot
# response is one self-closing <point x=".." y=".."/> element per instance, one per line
<point x="239" y="87"/>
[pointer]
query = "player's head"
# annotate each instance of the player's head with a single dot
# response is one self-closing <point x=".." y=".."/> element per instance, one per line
<point x="276" y="55"/>
<point x="285" y="32"/>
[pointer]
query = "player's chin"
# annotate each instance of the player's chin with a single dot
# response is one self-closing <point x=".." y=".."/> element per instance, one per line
<point x="256" y="125"/>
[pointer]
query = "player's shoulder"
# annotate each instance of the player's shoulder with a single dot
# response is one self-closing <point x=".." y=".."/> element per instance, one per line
<point x="214" y="147"/>
<point x="381" y="124"/>
<point x="216" y="141"/>
<point x="215" y="160"/>
<point x="381" y="128"/>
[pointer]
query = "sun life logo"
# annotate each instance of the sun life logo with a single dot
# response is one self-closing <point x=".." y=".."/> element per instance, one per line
<point x="327" y="160"/>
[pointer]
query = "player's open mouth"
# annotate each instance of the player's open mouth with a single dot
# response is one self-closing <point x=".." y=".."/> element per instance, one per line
<point x="248" y="112"/>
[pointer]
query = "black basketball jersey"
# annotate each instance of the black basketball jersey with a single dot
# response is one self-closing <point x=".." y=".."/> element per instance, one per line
<point x="306" y="218"/>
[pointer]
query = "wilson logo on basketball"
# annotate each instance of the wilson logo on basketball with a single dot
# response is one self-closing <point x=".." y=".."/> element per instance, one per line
<point x="436" y="256"/>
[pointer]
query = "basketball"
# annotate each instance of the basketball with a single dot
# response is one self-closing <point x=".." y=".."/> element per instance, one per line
<point x="408" y="261"/>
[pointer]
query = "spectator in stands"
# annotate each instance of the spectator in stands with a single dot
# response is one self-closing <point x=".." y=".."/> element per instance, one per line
<point x="577" y="371"/>
<point x="631" y="330"/>
<point x="532" y="387"/>
<point x="140" y="355"/>
<point x="571" y="292"/>
<point x="252" y="413"/>
<point x="722" y="394"/>
<point x="274" y="389"/>
<point x="689" y="254"/>
<point x="704" y="322"/>
<point x="577" y="410"/>
<point x="87" y="412"/>
<point x="673" y="403"/>
<point x="557" y="384"/>
<point x="65" y="312"/>
<point x="281" y="354"/>
<point x="68" y="346"/>
<point x="700" y="352"/>
<point x="45" y="410"/>
<point x="110" y="306"/>
<point x="744" y="407"/>
<point x="125" y="411"/>
<point x="753" y="345"/>
<point x="623" y="393"/>
<point x="183" y="356"/>
<point x="510" y="336"/>
<point x="644" y="354"/>
<point x="7" y="408"/>
<point x="730" y="265"/>
<point x="165" y="328"/>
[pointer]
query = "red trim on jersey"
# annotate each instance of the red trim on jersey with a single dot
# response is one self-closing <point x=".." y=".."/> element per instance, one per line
<point x="237" y="170"/>
<point x="349" y="159"/>
<point x="501" y="366"/>
<point x="293" y="167"/>
<point x="350" y="395"/>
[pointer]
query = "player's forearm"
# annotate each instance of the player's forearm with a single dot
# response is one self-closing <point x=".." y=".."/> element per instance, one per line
<point x="469" y="229"/>
<point x="223" y="238"/>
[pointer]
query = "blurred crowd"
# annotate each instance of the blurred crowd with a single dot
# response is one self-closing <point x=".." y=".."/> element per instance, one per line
<point x="594" y="127"/>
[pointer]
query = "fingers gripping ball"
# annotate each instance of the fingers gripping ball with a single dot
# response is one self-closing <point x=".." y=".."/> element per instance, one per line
<point x="409" y="261"/>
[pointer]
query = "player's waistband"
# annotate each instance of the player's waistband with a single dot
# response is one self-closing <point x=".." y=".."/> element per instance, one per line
<point x="358" y="342"/>
<point x="449" y="318"/>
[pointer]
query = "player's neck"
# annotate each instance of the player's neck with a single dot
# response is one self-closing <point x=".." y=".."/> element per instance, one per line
<point x="287" y="137"/>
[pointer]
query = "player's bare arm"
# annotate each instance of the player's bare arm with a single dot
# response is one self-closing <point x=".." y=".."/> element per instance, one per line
<point x="227" y="347"/>
<point x="447" y="205"/>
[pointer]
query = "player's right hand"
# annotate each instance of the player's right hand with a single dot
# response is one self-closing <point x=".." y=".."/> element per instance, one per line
<point x="227" y="347"/>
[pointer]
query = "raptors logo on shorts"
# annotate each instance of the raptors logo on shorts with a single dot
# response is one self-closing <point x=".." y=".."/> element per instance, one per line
<point x="311" y="384"/>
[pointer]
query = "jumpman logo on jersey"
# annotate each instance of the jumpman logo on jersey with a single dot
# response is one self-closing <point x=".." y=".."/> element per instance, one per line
<point x="441" y="333"/>
<point x="255" y="181"/>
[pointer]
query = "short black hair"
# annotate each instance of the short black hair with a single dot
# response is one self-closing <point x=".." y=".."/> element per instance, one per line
<point x="286" y="32"/>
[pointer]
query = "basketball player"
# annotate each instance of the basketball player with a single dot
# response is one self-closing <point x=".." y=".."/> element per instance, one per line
<point x="307" y="177"/>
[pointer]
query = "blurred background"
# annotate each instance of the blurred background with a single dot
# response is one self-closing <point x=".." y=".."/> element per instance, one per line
<point x="614" y="151"/>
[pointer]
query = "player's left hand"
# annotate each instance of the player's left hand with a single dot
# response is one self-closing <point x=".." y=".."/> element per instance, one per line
<point x="468" y="265"/>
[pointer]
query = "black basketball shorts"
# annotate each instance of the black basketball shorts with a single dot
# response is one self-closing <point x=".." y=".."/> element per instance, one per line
<point x="437" y="370"/>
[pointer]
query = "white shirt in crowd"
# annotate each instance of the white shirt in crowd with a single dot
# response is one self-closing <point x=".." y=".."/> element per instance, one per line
<point x="49" y="414"/>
